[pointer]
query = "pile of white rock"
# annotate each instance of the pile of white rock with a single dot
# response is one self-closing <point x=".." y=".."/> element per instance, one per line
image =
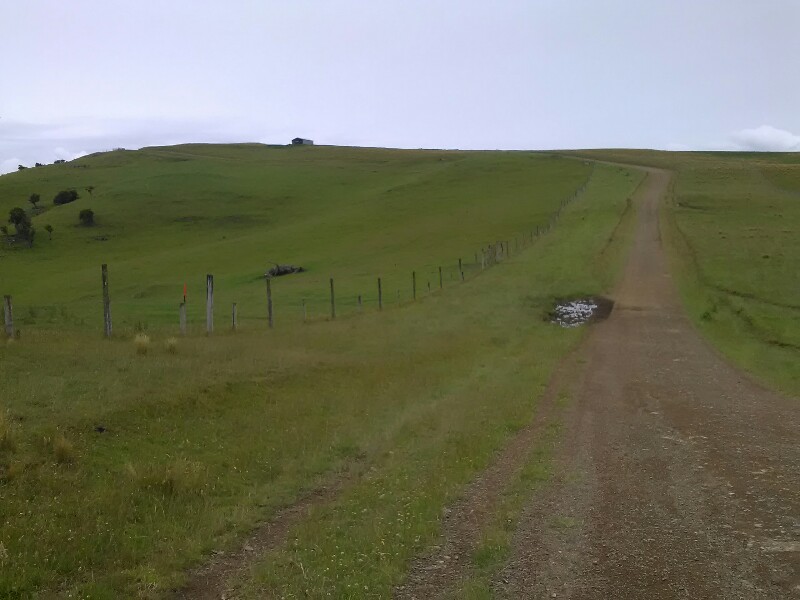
<point x="574" y="312"/>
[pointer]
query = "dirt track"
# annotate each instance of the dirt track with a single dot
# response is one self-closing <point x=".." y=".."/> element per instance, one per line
<point x="679" y="476"/>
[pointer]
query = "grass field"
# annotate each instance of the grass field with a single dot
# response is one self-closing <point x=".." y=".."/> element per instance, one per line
<point x="120" y="470"/>
<point x="732" y="223"/>
<point x="169" y="216"/>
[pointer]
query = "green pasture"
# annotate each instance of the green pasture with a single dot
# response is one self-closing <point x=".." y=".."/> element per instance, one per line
<point x="169" y="216"/>
<point x="119" y="471"/>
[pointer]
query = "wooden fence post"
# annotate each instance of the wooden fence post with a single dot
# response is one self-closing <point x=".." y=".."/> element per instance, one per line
<point x="269" y="302"/>
<point x="360" y="302"/>
<point x="414" y="285"/>
<point x="305" y="311"/>
<point x="209" y="304"/>
<point x="9" y="316"/>
<point x="233" y="317"/>
<point x="182" y="317"/>
<point x="441" y="285"/>
<point x="380" y="295"/>
<point x="106" y="302"/>
<point x="333" y="301"/>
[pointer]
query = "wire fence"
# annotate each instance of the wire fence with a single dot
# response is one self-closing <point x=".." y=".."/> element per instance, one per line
<point x="328" y="299"/>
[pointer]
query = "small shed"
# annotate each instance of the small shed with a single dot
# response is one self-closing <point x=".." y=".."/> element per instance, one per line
<point x="302" y="142"/>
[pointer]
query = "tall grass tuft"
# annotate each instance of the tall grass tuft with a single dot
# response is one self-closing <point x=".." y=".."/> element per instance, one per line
<point x="8" y="442"/>
<point x="142" y="343"/>
<point x="179" y="477"/>
<point x="63" y="450"/>
<point x="171" y="345"/>
<point x="11" y="471"/>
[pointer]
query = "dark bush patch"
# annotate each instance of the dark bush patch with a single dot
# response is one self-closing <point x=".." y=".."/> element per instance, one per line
<point x="65" y="197"/>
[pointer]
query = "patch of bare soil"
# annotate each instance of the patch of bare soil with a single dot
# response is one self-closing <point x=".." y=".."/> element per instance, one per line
<point x="679" y="476"/>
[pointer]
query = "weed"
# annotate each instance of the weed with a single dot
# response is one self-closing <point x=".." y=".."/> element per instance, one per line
<point x="564" y="522"/>
<point x="142" y="343"/>
<point x="171" y="345"/>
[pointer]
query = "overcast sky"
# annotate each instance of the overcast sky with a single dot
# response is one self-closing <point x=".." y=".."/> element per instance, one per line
<point x="92" y="75"/>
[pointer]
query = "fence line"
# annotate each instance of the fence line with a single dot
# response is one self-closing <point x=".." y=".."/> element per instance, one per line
<point x="488" y="256"/>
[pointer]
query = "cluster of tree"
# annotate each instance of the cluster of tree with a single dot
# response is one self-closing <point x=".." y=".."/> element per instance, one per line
<point x="22" y="224"/>
<point x="60" y="161"/>
<point x="24" y="230"/>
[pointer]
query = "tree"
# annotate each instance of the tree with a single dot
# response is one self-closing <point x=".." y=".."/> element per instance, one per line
<point x="49" y="230"/>
<point x="34" y="199"/>
<point x="22" y="223"/>
<point x="21" y="167"/>
<point x="86" y="217"/>
<point x="65" y="197"/>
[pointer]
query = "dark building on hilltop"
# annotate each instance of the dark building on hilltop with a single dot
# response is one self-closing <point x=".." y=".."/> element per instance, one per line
<point x="302" y="142"/>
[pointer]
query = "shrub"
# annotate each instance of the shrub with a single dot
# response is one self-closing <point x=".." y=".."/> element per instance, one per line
<point x="142" y="343"/>
<point x="65" y="197"/>
<point x="86" y="217"/>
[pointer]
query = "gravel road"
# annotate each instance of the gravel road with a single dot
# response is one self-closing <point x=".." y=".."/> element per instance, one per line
<point x="679" y="475"/>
